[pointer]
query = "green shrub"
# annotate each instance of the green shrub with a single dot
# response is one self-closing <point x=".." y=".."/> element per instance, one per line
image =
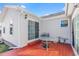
<point x="3" y="47"/>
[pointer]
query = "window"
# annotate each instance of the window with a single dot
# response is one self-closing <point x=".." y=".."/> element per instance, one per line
<point x="76" y="33"/>
<point x="3" y="29"/>
<point x="64" y="23"/>
<point x="36" y="29"/>
<point x="11" y="29"/>
<point x="0" y="32"/>
<point x="31" y="30"/>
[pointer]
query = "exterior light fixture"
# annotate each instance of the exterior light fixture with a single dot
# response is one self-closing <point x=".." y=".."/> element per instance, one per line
<point x="25" y="16"/>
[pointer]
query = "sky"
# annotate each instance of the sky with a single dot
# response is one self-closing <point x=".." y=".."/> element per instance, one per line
<point x="39" y="9"/>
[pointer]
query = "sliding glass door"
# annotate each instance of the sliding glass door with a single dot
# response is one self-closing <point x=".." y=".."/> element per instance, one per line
<point x="36" y="29"/>
<point x="33" y="30"/>
<point x="76" y="33"/>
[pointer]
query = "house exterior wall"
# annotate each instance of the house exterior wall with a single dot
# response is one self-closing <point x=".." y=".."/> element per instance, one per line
<point x="11" y="16"/>
<point x="52" y="25"/>
<point x="75" y="13"/>
<point x="75" y="17"/>
<point x="23" y="30"/>
<point x="20" y="26"/>
<point x="70" y="8"/>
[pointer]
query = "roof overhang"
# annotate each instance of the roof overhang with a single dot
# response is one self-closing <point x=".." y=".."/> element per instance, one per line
<point x="69" y="8"/>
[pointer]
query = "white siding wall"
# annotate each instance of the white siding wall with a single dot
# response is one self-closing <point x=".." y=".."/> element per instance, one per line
<point x="53" y="27"/>
<point x="75" y="13"/>
<point x="75" y="23"/>
<point x="20" y="27"/>
<point x="23" y="30"/>
<point x="11" y="15"/>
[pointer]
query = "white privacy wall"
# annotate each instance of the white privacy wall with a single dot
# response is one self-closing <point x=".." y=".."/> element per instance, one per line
<point x="53" y="27"/>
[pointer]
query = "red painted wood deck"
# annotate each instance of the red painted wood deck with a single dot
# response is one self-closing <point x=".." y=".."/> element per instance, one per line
<point x="36" y="49"/>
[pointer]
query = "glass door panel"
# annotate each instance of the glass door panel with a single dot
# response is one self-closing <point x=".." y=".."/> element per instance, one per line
<point x="76" y="33"/>
<point x="33" y="30"/>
